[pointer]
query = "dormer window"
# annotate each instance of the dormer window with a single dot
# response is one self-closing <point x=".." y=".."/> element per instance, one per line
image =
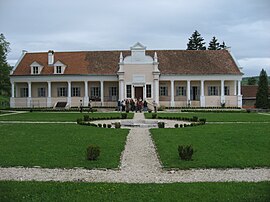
<point x="58" y="70"/>
<point x="35" y="70"/>
<point x="59" y="67"/>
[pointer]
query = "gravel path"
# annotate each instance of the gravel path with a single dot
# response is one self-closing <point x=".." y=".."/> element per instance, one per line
<point x="139" y="164"/>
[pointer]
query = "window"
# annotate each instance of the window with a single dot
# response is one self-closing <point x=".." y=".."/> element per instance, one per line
<point x="24" y="92"/>
<point x="58" y="70"/>
<point x="163" y="91"/>
<point x="95" y="92"/>
<point x="62" y="92"/>
<point x="113" y="91"/>
<point x="128" y="91"/>
<point x="212" y="90"/>
<point x="226" y="90"/>
<point x="41" y="92"/>
<point x="35" y="69"/>
<point x="76" y="92"/>
<point x="148" y="91"/>
<point x="181" y="91"/>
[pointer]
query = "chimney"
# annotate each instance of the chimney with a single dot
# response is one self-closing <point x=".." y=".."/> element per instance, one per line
<point x="50" y="57"/>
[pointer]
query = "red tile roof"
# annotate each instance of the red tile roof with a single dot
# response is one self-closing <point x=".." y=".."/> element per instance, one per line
<point x="250" y="91"/>
<point x="106" y="62"/>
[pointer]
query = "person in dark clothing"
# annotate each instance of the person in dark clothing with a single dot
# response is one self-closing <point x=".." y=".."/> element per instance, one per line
<point x="145" y="106"/>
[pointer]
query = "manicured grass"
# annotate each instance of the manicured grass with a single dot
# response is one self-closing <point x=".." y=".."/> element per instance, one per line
<point x="68" y="191"/>
<point x="216" y="145"/>
<point x="59" y="145"/>
<point x="218" y="117"/>
<point x="57" y="116"/>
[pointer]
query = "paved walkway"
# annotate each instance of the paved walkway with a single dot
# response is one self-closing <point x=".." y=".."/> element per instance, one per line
<point x="139" y="164"/>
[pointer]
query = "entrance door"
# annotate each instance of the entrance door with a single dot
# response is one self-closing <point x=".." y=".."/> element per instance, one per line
<point x="139" y="92"/>
<point x="195" y="93"/>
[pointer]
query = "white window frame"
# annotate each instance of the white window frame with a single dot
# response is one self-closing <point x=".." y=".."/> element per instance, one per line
<point x="35" y="70"/>
<point x="213" y="91"/>
<point x="181" y="91"/>
<point x="227" y="90"/>
<point x="42" y="92"/>
<point x="62" y="92"/>
<point x="148" y="90"/>
<point x="75" y="92"/>
<point x="24" y="92"/>
<point x="95" y="91"/>
<point x="163" y="90"/>
<point x="58" y="69"/>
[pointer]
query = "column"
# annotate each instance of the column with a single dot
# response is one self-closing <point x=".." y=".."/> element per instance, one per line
<point x="29" y="99"/>
<point x="121" y="90"/>
<point x="12" y="99"/>
<point x="172" y="93"/>
<point x="101" y="93"/>
<point x="86" y="97"/>
<point x="156" y="86"/>
<point x="69" y="94"/>
<point x="222" y="96"/>
<point x="239" y="96"/>
<point x="202" y="98"/>
<point x="49" y="99"/>
<point x="188" y="93"/>
<point x="235" y="88"/>
<point x="144" y="92"/>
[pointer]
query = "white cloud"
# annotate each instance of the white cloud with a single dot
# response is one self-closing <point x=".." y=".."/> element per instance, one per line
<point x="253" y="66"/>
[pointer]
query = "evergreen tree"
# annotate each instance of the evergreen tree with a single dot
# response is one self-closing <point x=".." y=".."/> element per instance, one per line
<point x="223" y="45"/>
<point x="262" y="92"/>
<point x="4" y="66"/>
<point x="196" y="42"/>
<point x="213" y="44"/>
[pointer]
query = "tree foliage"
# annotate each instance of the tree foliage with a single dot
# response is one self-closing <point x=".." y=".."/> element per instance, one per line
<point x="223" y="45"/>
<point x="214" y="44"/>
<point x="262" y="92"/>
<point x="196" y="42"/>
<point x="252" y="81"/>
<point x="4" y="66"/>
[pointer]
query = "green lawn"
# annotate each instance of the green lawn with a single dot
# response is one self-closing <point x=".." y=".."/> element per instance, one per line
<point x="217" y="146"/>
<point x="59" y="145"/>
<point x="68" y="191"/>
<point x="57" y="116"/>
<point x="219" y="117"/>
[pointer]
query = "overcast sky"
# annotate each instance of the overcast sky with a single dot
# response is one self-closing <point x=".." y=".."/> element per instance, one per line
<point x="66" y="25"/>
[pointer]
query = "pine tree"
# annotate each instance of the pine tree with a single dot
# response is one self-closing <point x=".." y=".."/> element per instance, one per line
<point x="262" y="92"/>
<point x="4" y="66"/>
<point x="196" y="42"/>
<point x="213" y="44"/>
<point x="223" y="45"/>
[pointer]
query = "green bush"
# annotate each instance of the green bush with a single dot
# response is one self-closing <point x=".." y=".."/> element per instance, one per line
<point x="92" y="152"/>
<point x="117" y="125"/>
<point x="161" y="124"/>
<point x="195" y="118"/>
<point x="104" y="125"/>
<point x="181" y="125"/>
<point x="154" y="115"/>
<point x="123" y="115"/>
<point x="86" y="118"/>
<point x="185" y="152"/>
<point x="79" y="121"/>
<point x="100" y="125"/>
<point x="176" y="125"/>
<point x="202" y="121"/>
<point x="109" y="125"/>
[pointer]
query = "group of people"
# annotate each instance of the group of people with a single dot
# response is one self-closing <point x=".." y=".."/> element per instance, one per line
<point x="132" y="105"/>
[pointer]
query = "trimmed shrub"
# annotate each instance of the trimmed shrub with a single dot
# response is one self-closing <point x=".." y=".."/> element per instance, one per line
<point x="248" y="110"/>
<point x="109" y="125"/>
<point x="176" y="125"/>
<point x="149" y="111"/>
<point x="161" y="124"/>
<point x="104" y="125"/>
<point x="92" y="152"/>
<point x="100" y="125"/>
<point x="123" y="115"/>
<point x="195" y="118"/>
<point x="117" y="125"/>
<point x="154" y="115"/>
<point x="79" y="121"/>
<point x="181" y="125"/>
<point x="185" y="152"/>
<point x="202" y="121"/>
<point x="86" y="118"/>
<point x="185" y="125"/>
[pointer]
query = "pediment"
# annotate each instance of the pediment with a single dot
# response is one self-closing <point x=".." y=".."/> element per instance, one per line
<point x="138" y="46"/>
<point x="36" y="64"/>
<point x="59" y="63"/>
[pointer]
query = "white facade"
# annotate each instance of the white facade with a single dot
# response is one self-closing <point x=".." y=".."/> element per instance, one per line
<point x="138" y="76"/>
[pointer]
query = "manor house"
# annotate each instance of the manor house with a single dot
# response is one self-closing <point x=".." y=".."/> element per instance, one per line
<point x="173" y="78"/>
